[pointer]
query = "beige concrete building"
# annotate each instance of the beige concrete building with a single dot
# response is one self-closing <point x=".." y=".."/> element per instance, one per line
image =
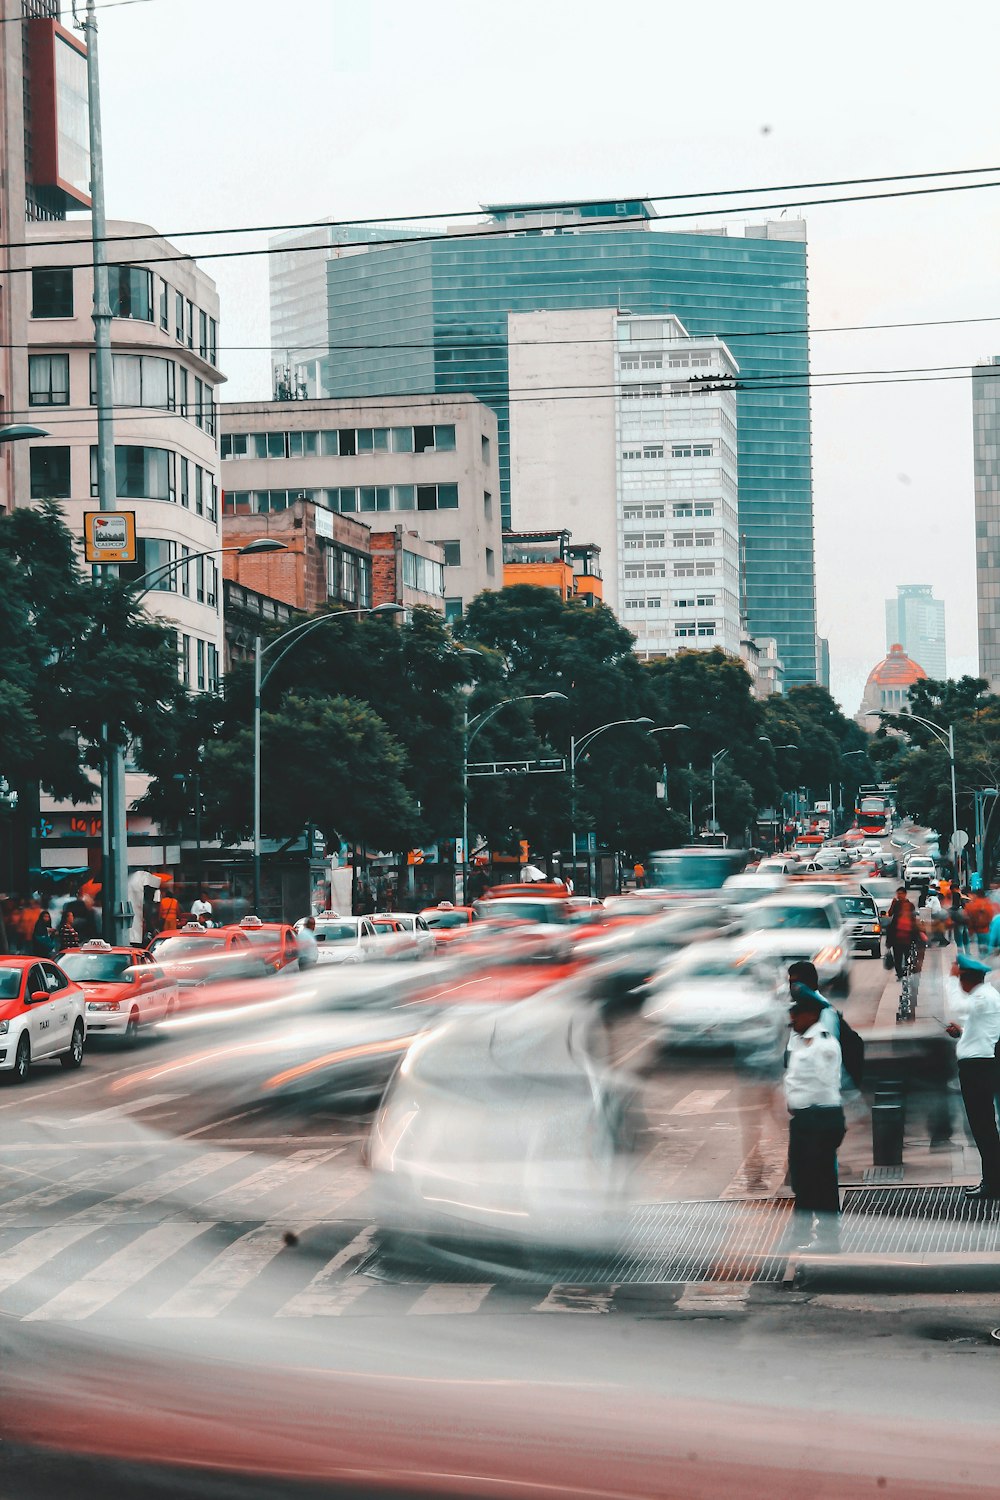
<point x="164" y="341"/>
<point x="425" y="463"/>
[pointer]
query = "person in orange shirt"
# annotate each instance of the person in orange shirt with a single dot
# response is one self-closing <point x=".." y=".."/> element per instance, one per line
<point x="170" y="909"/>
<point x="979" y="913"/>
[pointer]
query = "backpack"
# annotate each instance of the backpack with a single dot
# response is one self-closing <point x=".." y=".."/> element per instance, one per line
<point x="852" y="1050"/>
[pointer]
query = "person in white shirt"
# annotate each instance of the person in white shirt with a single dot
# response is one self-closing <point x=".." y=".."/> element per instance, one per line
<point x="201" y="910"/>
<point x="307" y="944"/>
<point x="974" y="1020"/>
<point x="816" y="1124"/>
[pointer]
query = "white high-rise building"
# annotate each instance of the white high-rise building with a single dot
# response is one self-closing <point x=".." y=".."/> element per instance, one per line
<point x="613" y="436"/>
<point x="915" y="620"/>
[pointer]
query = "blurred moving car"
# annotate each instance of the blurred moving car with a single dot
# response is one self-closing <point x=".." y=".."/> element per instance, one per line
<point x="863" y="923"/>
<point x="919" y="870"/>
<point x="739" y="890"/>
<point x="124" y="988"/>
<point x="196" y="956"/>
<point x="41" y="1016"/>
<point x="345" y="940"/>
<point x="882" y="891"/>
<point x="504" y="1129"/>
<point x="445" y="921"/>
<point x="273" y="941"/>
<point x="710" y="996"/>
<point x="779" y="864"/>
<point x="802" y="925"/>
<point x="404" y="935"/>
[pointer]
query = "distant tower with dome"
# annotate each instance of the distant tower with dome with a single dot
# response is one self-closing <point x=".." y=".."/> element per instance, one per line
<point x="888" y="687"/>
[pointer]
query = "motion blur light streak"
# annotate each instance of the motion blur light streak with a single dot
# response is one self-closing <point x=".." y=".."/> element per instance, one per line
<point x="369" y="1049"/>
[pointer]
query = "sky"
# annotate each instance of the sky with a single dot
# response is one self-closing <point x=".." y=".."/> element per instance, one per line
<point x="222" y="113"/>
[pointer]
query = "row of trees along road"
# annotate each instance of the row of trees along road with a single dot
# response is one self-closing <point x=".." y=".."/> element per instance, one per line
<point x="362" y="720"/>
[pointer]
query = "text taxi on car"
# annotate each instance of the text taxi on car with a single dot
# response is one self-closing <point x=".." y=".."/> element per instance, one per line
<point x="41" y="1016"/>
<point x="124" y="988"/>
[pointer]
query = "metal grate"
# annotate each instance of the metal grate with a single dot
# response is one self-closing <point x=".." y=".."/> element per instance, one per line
<point x="886" y="1175"/>
<point x="731" y="1241"/>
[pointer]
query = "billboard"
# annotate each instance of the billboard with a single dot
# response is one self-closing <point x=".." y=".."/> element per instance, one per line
<point x="59" y="155"/>
<point x="109" y="536"/>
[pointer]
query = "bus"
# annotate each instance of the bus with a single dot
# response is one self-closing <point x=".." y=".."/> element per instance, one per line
<point x="693" y="870"/>
<point x="873" y="812"/>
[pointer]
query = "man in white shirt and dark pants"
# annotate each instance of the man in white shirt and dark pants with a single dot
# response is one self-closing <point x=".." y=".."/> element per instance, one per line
<point x="974" y="1019"/>
<point x="816" y="1126"/>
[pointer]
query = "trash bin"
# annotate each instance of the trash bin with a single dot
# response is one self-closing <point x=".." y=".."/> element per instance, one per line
<point x="888" y="1120"/>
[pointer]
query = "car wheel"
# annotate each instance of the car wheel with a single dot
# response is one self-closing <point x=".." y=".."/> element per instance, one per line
<point x="74" y="1057"/>
<point x="171" y="1010"/>
<point x="22" y="1060"/>
<point x="131" y="1033"/>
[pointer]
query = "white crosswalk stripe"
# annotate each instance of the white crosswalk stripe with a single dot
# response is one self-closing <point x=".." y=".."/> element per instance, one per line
<point x="222" y="1280"/>
<point x="331" y="1291"/>
<point x="37" y="1250"/>
<point x="159" y="1188"/>
<point x="447" y="1297"/>
<point x="117" y="1274"/>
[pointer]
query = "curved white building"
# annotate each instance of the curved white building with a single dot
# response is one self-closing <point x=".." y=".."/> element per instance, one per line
<point x="165" y="349"/>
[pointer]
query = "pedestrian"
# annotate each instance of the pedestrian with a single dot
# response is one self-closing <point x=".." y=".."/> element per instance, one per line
<point x="639" y="875"/>
<point x="201" y="910"/>
<point x="901" y="929"/>
<point x="67" y="937"/>
<point x="43" y="939"/>
<point x="974" y="1020"/>
<point x="307" y="944"/>
<point x="937" y="917"/>
<point x="959" y="926"/>
<point x="816" y="1122"/>
<point x="170" y="910"/>
<point x="979" y="914"/>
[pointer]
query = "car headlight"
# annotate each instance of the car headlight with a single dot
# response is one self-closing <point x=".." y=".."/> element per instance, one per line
<point x="4" y="1027"/>
<point x="831" y="955"/>
<point x="103" y="1005"/>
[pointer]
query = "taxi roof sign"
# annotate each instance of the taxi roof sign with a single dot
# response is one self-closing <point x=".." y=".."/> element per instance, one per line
<point x="109" y="536"/>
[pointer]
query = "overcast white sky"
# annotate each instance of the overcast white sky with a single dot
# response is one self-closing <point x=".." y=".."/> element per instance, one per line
<point x="237" y="112"/>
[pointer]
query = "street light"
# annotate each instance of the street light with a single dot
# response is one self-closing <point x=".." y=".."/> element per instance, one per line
<point x="470" y="728"/>
<point x="292" y="636"/>
<point x="250" y="549"/>
<point x="719" y="755"/>
<point x="945" y="737"/>
<point x="666" y="729"/>
<point x="16" y="432"/>
<point x="578" y="749"/>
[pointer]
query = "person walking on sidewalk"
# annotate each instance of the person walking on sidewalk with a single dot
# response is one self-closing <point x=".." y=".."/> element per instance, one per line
<point x="974" y="1020"/>
<point x="816" y="1122"/>
<point x="902" y="929"/>
<point x="979" y="914"/>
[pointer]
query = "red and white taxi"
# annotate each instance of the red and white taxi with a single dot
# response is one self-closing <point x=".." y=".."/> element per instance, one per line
<point x="274" y="942"/>
<point x="41" y="1016"/>
<point x="124" y="988"/>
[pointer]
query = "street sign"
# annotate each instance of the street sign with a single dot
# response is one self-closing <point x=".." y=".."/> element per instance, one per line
<point x="109" y="536"/>
<point x="959" y="839"/>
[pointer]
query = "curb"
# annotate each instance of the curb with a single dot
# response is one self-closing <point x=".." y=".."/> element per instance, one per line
<point x="898" y="1273"/>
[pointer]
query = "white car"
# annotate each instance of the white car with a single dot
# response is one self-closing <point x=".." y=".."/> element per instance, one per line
<point x="41" y="1016"/>
<point x="919" y="869"/>
<point x="403" y="934"/>
<point x="801" y="925"/>
<point x="708" y="996"/>
<point x="738" y="890"/>
<point x="345" y="940"/>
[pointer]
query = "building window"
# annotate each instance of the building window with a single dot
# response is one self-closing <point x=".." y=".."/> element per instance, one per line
<point x="706" y="627"/>
<point x="48" y="380"/>
<point x="630" y="453"/>
<point x="682" y="512"/>
<point x="138" y="380"/>
<point x="423" y="439"/>
<point x="213" y="341"/>
<point x="490" y="563"/>
<point x="179" y="317"/>
<point x="401" y="439"/>
<point x="185" y="469"/>
<point x="684" y="630"/>
<point x="704" y="570"/>
<point x="203" y="334"/>
<point x="684" y="570"/>
<point x="235" y="444"/>
<point x="680" y="450"/>
<point x="633" y="513"/>
<point x="684" y="603"/>
<point x="140" y="473"/>
<point x="485" y="445"/>
<point x="704" y="508"/>
<point x="654" y="513"/>
<point x="702" y="450"/>
<point x="184" y="406"/>
<point x="629" y="362"/>
<point x="453" y="607"/>
<point x="213" y="668"/>
<point x="154" y="554"/>
<point x="211" y="497"/>
<point x="444" y="437"/>
<point x="452" y="554"/>
<point x="49" y="473"/>
<point x="684" y="539"/>
<point x="303" y="444"/>
<point x="437" y="496"/>
<point x="199" y="490"/>
<point x="202" y="677"/>
<point x="423" y="573"/>
<point x="487" y="504"/>
<point x="184" y="573"/>
<point x="189" y="324"/>
<point x="637" y="392"/>
<point x="52" y="292"/>
<point x="268" y="444"/>
<point x="184" y="659"/>
<point x="652" y="450"/>
<point x="651" y="362"/>
<point x="131" y="292"/>
<point x="164" y="306"/>
<point x="704" y="538"/>
<point x="706" y="601"/>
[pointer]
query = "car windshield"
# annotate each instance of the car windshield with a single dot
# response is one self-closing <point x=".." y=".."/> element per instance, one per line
<point x="856" y="906"/>
<point x="10" y="983"/>
<point x="771" y="917"/>
<point x="528" y="911"/>
<point x="261" y="939"/>
<point x="188" y="947"/>
<point x="447" y="918"/>
<point x="336" y="932"/>
<point x="98" y="968"/>
<point x="385" y="927"/>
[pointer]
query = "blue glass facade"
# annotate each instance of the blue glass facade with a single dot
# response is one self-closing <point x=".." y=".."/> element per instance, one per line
<point x="430" y="316"/>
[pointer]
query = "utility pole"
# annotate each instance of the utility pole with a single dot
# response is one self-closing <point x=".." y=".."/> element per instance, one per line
<point x="117" y="910"/>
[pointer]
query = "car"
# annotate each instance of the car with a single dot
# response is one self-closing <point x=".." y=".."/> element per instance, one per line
<point x="124" y="988"/>
<point x="919" y="870"/>
<point x="802" y="925"/>
<point x="863" y="922"/>
<point x="345" y="940"/>
<point x="274" y="941"/>
<point x="42" y="1016"/>
<point x="504" y="1129"/>
<point x="446" y="921"/>
<point x="738" y="890"/>
<point x="882" y="891"/>
<point x="707" y="997"/>
<point x="195" y="956"/>
<point x="410" y="936"/>
<point x="779" y="864"/>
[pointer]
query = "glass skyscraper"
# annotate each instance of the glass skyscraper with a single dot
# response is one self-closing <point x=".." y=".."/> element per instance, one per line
<point x="430" y="315"/>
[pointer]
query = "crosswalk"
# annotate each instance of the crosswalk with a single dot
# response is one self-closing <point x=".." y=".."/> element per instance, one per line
<point x="209" y="1233"/>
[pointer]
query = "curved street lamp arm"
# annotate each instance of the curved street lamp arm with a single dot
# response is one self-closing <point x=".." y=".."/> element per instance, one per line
<point x="941" y="735"/>
<point x="481" y="720"/>
<point x="172" y="567"/>
<point x="581" y="745"/>
<point x="296" y="632"/>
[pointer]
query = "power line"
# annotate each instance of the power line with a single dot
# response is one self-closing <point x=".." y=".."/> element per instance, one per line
<point x="527" y="231"/>
<point x="505" y="396"/>
<point x="466" y="213"/>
